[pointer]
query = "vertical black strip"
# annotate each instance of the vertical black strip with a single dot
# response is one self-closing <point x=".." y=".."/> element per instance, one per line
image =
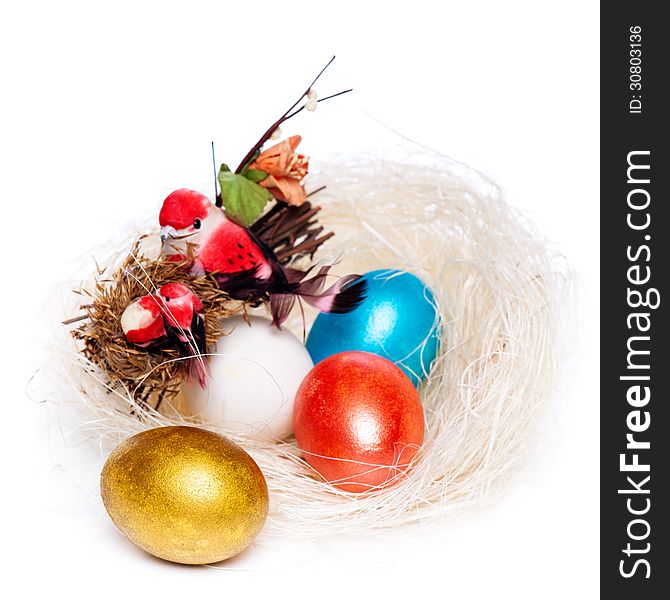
<point x="635" y="260"/>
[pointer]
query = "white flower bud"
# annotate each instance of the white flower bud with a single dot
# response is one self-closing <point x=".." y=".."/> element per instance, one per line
<point x="311" y="104"/>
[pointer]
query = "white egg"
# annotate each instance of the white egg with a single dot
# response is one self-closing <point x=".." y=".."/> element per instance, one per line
<point x="254" y="378"/>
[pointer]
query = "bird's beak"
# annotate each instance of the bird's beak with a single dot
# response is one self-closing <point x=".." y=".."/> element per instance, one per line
<point x="167" y="232"/>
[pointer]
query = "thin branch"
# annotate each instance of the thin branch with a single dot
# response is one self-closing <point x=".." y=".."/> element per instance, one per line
<point x="268" y="134"/>
<point x="307" y="247"/>
<point x="319" y="100"/>
<point x="316" y="191"/>
<point x="75" y="320"/>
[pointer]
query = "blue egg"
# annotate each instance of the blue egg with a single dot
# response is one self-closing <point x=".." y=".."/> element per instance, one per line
<point x="397" y="320"/>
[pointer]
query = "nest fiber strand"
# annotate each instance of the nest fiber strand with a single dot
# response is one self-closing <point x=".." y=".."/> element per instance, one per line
<point x="498" y="291"/>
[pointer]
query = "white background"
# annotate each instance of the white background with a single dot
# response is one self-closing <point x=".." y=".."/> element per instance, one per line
<point x="106" y="107"/>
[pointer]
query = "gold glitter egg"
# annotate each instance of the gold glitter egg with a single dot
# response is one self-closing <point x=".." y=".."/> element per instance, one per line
<point x="184" y="494"/>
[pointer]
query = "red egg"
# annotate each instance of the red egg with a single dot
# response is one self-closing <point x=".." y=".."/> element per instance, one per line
<point x="358" y="420"/>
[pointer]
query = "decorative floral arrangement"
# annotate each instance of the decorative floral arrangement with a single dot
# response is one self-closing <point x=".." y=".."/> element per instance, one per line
<point x="412" y="395"/>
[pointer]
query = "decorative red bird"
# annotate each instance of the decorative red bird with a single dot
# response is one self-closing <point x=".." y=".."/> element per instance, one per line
<point x="173" y="316"/>
<point x="185" y="327"/>
<point x="244" y="265"/>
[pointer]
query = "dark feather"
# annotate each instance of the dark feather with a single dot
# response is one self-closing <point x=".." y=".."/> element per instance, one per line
<point x="197" y="367"/>
<point x="350" y="297"/>
<point x="244" y="285"/>
<point x="198" y="331"/>
<point x="280" y="307"/>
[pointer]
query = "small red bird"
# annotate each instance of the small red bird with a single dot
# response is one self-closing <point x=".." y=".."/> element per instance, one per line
<point x="185" y="327"/>
<point x="173" y="316"/>
<point x="244" y="265"/>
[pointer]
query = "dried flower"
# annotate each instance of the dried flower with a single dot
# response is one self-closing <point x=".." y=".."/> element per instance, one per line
<point x="285" y="169"/>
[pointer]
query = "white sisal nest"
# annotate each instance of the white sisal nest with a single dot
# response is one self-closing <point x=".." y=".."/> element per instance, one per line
<point x="499" y="293"/>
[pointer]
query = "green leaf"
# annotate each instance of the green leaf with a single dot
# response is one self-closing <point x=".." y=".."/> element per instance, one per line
<point x="255" y="175"/>
<point x="243" y="200"/>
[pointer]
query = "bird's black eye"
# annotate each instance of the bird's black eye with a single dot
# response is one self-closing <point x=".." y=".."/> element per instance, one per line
<point x="196" y="224"/>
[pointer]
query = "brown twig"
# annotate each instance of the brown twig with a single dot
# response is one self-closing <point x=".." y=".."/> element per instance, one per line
<point x="287" y="115"/>
<point x="75" y="319"/>
<point x="306" y="248"/>
<point x="298" y="111"/>
<point x="291" y="231"/>
<point x="316" y="191"/>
